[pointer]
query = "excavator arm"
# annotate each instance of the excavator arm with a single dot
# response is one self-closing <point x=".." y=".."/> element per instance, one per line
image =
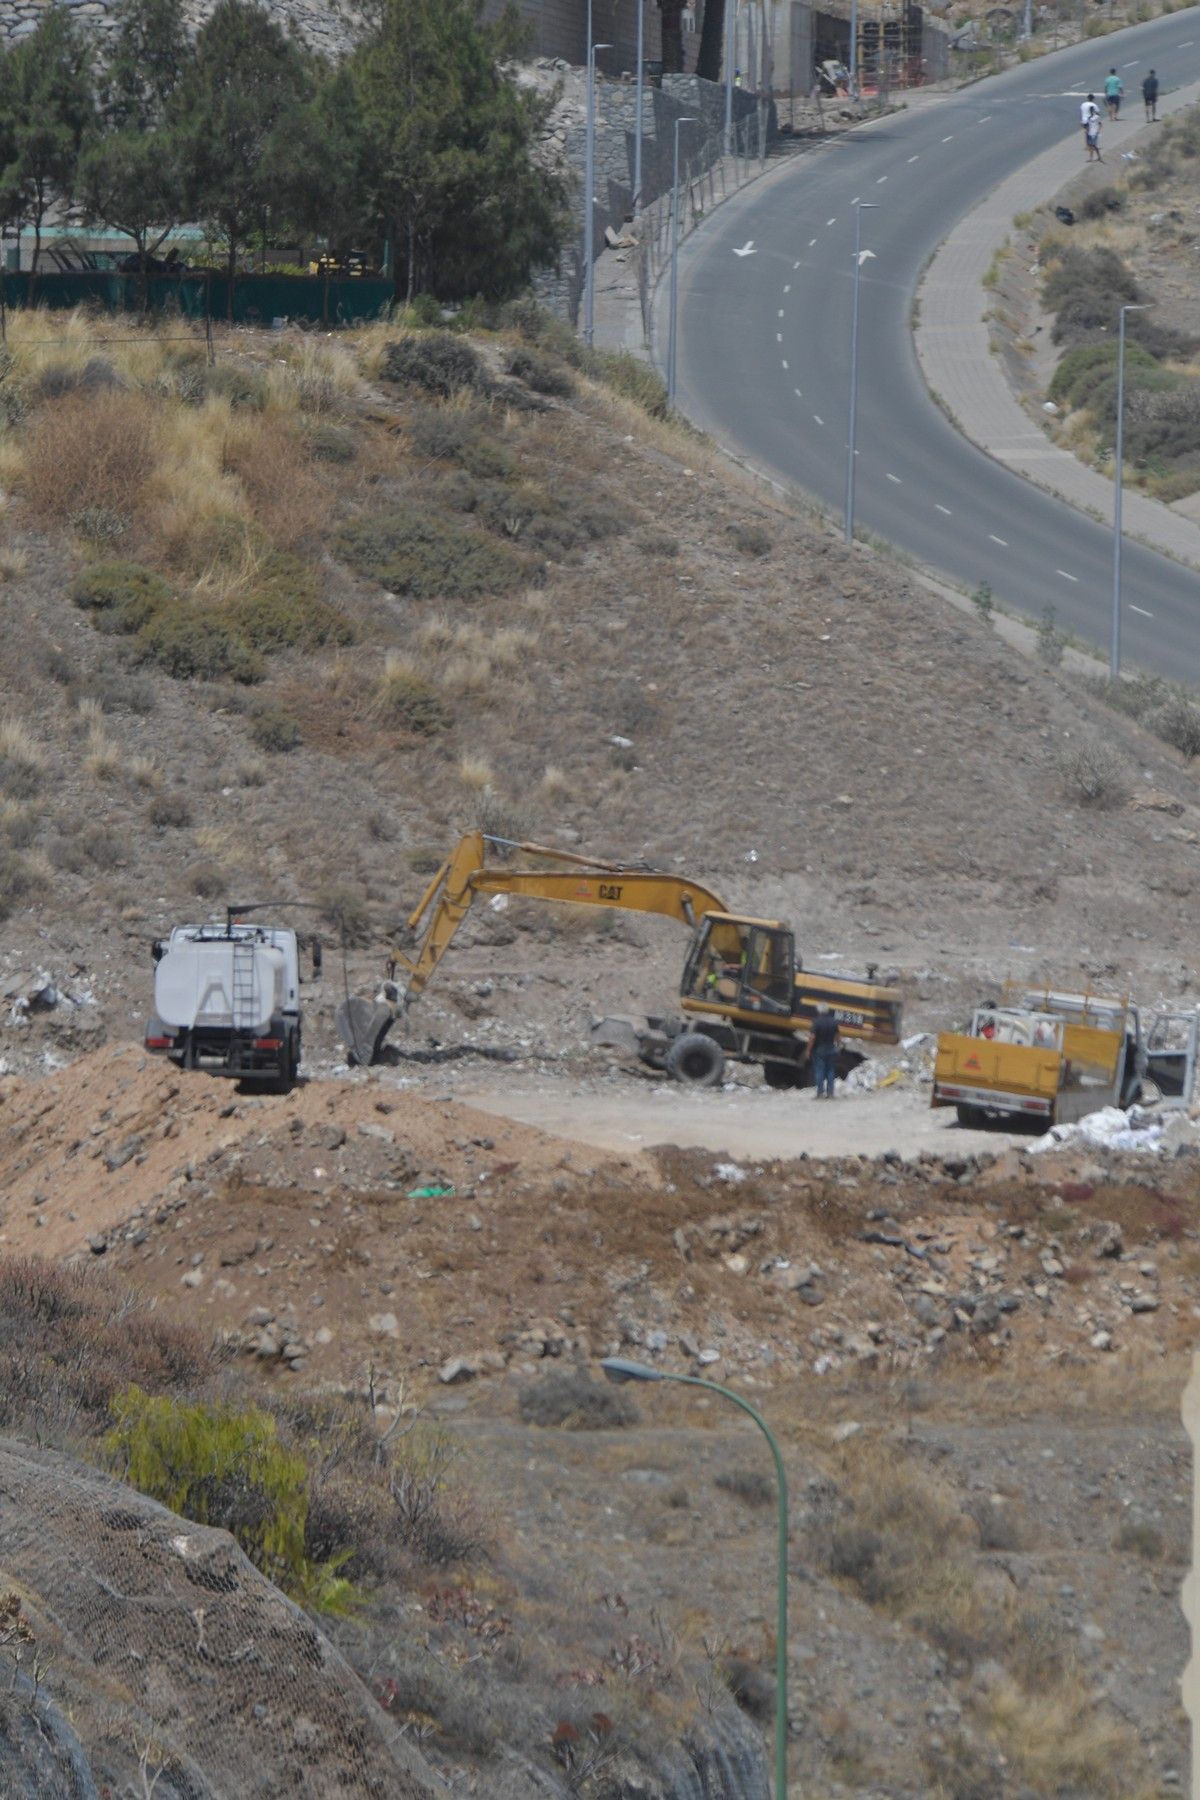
<point x="466" y="875"/>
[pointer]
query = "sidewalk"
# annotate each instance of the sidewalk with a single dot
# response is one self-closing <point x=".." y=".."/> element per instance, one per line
<point x="956" y="361"/>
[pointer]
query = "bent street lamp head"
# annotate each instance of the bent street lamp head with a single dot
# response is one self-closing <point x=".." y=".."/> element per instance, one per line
<point x="619" y="1369"/>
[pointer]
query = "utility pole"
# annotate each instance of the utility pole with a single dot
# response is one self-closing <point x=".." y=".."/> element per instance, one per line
<point x="860" y="256"/>
<point x="641" y="74"/>
<point x="673" y="304"/>
<point x="730" y="54"/>
<point x="1114" y="659"/>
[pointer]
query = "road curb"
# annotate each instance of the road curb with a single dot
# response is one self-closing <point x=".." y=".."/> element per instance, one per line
<point x="968" y="382"/>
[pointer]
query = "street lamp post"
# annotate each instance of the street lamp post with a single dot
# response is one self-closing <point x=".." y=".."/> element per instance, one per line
<point x="673" y="305"/>
<point x="730" y="53"/>
<point x="617" y="1368"/>
<point x="641" y="72"/>
<point x="589" y="197"/>
<point x="860" y="256"/>
<point x="854" y="49"/>
<point x="1114" y="659"/>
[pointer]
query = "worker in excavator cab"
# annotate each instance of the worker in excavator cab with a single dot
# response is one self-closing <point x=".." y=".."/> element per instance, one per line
<point x="723" y="978"/>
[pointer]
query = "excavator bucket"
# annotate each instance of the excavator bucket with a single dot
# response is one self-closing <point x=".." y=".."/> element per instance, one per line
<point x="362" y="1026"/>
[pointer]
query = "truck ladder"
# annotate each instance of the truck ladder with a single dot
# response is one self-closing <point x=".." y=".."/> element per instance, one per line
<point x="245" y="986"/>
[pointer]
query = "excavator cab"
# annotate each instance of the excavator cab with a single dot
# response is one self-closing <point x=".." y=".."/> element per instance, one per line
<point x="744" y="965"/>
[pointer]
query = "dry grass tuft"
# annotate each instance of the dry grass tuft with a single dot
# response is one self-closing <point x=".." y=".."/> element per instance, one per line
<point x="102" y="758"/>
<point x="1060" y="1741"/>
<point x="144" y="772"/>
<point x="475" y="773"/>
<point x="13" y="562"/>
<point x="90" y="453"/>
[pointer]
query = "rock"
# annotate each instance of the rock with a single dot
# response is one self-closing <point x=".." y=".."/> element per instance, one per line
<point x="259" y="1316"/>
<point x="193" y="1278"/>
<point x="97" y="1245"/>
<point x="457" y="1369"/>
<point x="266" y="1346"/>
<point x="1143" y="1303"/>
<point x="368" y="1130"/>
<point x="1110" y="1242"/>
<point x="1101" y="1340"/>
<point x="125" y="1152"/>
<point x="384" y="1324"/>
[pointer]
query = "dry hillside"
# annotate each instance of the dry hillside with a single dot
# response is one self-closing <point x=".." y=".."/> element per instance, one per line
<point x="280" y="628"/>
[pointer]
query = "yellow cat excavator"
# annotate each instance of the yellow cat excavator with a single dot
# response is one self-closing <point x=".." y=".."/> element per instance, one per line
<point x="743" y="992"/>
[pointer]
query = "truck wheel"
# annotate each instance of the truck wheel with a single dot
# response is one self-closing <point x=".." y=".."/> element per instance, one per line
<point x="696" y="1060"/>
<point x="973" y="1116"/>
<point x="782" y="1075"/>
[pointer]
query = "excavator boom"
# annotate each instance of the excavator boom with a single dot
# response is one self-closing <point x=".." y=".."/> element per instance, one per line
<point x="466" y="875"/>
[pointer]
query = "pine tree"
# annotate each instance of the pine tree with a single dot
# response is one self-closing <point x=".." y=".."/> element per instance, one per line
<point x="46" y="108"/>
<point x="448" y="142"/>
<point x="245" y="87"/>
<point x="131" y="175"/>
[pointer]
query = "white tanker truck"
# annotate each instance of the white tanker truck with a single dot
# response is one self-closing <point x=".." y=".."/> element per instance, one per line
<point x="227" y="999"/>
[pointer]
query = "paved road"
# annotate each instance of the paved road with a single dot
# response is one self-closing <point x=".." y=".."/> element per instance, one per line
<point x="764" y="343"/>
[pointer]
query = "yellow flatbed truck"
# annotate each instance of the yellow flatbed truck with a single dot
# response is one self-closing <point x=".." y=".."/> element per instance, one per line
<point x="1047" y="1056"/>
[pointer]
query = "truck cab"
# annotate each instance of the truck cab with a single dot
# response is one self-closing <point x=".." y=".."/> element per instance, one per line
<point x="227" y="1000"/>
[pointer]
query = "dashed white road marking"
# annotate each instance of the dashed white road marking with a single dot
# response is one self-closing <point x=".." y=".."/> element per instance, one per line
<point x="779" y="337"/>
<point x="829" y="222"/>
<point x="796" y="265"/>
<point x="797" y="393"/>
<point x="879" y="180"/>
<point x="896" y="479"/>
<point x="1132" y="65"/>
<point x="1188" y="45"/>
<point x="1003" y="542"/>
<point x="818" y="418"/>
<point x="784" y="361"/>
<point x="986" y="119"/>
<point x="948" y="140"/>
<point x="943" y="509"/>
<point x="1067" y="576"/>
<point x="915" y="158"/>
<point x="779" y="314"/>
<point x="1140" y="609"/>
<point x="787" y="287"/>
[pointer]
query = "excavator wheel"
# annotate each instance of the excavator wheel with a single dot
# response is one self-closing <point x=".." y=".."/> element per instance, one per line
<point x="696" y="1060"/>
<point x="362" y="1026"/>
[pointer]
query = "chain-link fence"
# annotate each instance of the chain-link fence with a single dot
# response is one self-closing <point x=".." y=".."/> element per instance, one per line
<point x="143" y="1655"/>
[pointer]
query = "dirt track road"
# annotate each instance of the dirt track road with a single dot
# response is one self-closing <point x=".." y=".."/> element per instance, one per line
<point x="743" y="1121"/>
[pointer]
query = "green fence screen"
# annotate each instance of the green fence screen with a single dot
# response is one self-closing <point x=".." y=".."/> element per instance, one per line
<point x="257" y="299"/>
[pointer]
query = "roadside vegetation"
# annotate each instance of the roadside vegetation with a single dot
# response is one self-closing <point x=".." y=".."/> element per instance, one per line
<point x="1087" y="275"/>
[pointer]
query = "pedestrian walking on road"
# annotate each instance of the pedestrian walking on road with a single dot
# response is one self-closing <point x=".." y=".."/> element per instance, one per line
<point x="823" y="1047"/>
<point x="1114" y="92"/>
<point x="1089" y="119"/>
<point x="1150" y="96"/>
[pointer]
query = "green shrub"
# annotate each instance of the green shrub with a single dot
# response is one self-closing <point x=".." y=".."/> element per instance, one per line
<point x="635" y="380"/>
<point x="1100" y="202"/>
<point x="98" y="524"/>
<point x="540" y="373"/>
<point x="431" y="558"/>
<point x="273" y="729"/>
<point x="194" y="645"/>
<point x="750" y="540"/>
<point x="405" y="699"/>
<point x="1178" y="723"/>
<point x="224" y="1466"/>
<point x="569" y="1400"/>
<point x="17" y="882"/>
<point x="241" y="384"/>
<point x="170" y="812"/>
<point x="449" y="437"/>
<point x="439" y="362"/>
<point x="285" y="611"/>
<point x="1049" y="641"/>
<point x="658" y="543"/>
<point x="553" y="523"/>
<point x="348" y="913"/>
<point x="206" y="879"/>
<point x="981" y="600"/>
<point x="1162" y="420"/>
<point x="332" y="444"/>
<point x="1141" y="1538"/>
<point x="121" y="596"/>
